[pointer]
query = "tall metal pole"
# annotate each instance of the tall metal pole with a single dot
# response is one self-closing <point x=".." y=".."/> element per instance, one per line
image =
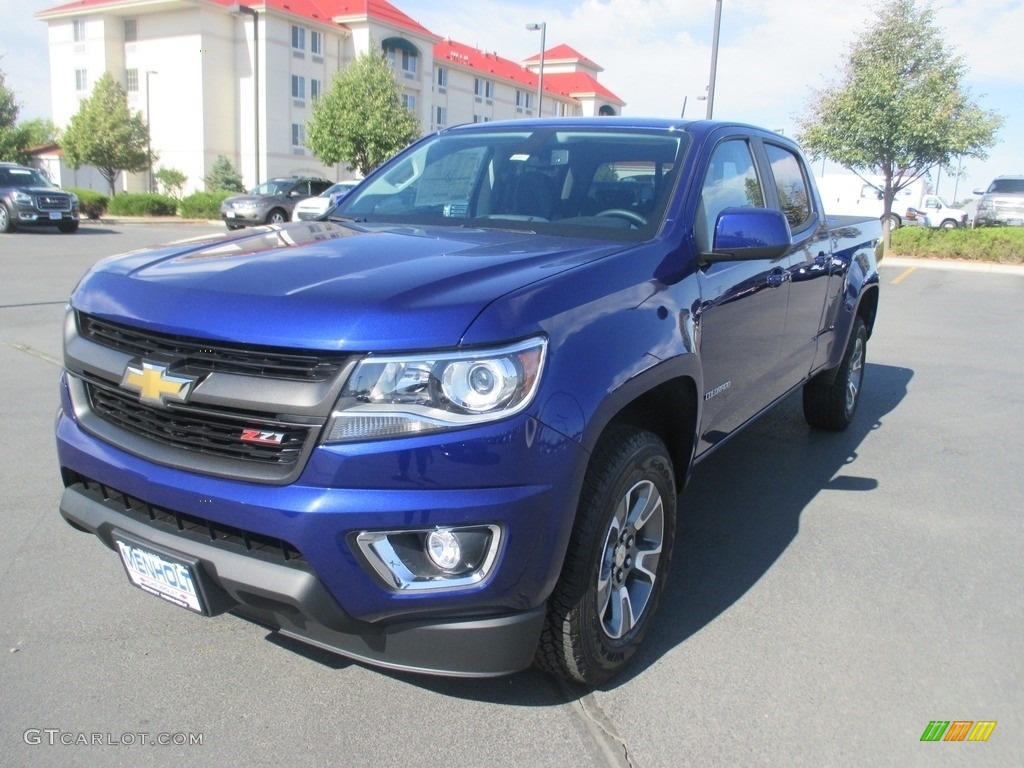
<point x="714" y="58"/>
<point x="543" y="27"/>
<point x="255" y="82"/>
<point x="149" y="134"/>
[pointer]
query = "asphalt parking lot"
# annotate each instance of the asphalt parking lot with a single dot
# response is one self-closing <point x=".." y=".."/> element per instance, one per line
<point x="831" y="595"/>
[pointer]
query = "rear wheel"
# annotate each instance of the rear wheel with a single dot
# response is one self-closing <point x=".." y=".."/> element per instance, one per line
<point x="831" y="404"/>
<point x="617" y="562"/>
<point x="948" y="224"/>
<point x="893" y="222"/>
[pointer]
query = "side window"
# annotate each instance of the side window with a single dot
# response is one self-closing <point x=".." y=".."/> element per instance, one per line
<point x="791" y="186"/>
<point x="731" y="181"/>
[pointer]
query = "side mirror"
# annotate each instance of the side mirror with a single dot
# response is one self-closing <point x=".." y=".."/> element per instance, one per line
<point x="748" y="234"/>
<point x="979" y="191"/>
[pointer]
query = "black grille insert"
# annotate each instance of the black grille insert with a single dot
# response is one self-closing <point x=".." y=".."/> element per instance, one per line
<point x="199" y="356"/>
<point x="191" y="526"/>
<point x="245" y="438"/>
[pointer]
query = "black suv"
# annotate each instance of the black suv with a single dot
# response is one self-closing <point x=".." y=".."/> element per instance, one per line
<point x="29" y="199"/>
<point x="1002" y="204"/>
<point x="271" y="202"/>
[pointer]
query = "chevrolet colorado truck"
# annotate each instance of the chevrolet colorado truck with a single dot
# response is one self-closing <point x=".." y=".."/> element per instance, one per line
<point x="443" y="429"/>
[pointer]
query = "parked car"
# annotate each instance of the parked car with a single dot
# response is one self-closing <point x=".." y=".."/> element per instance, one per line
<point x="1002" y="204"/>
<point x="272" y="202"/>
<point x="935" y="212"/>
<point x="29" y="199"/>
<point x="314" y="207"/>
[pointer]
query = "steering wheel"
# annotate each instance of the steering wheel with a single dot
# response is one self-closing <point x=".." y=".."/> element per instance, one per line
<point x="631" y="216"/>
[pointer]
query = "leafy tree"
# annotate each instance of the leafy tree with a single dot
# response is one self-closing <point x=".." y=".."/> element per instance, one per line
<point x="39" y="131"/>
<point x="223" y="176"/>
<point x="901" y="108"/>
<point x="10" y="138"/>
<point x="361" y="120"/>
<point x="106" y="134"/>
<point x="172" y="180"/>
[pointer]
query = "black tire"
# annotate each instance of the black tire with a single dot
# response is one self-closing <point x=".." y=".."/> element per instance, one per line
<point x="233" y="227"/>
<point x="277" y="216"/>
<point x="830" y="403"/>
<point x="67" y="227"/>
<point x="6" y="222"/>
<point x="894" y="222"/>
<point x="948" y="224"/>
<point x="614" y="570"/>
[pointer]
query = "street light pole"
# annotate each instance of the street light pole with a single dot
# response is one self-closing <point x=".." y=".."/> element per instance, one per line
<point x="543" y="27"/>
<point x="255" y="81"/>
<point x="149" y="134"/>
<point x="714" y="58"/>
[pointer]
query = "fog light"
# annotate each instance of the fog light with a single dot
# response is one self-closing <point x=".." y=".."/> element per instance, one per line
<point x="436" y="558"/>
<point x="443" y="549"/>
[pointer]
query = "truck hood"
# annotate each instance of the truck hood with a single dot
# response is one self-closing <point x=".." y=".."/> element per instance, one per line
<point x="320" y="285"/>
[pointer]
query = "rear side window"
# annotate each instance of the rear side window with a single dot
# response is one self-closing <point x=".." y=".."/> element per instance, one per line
<point x="791" y="186"/>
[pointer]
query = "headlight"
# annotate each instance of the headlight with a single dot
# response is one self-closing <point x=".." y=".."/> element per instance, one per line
<point x="23" y="198"/>
<point x="404" y="395"/>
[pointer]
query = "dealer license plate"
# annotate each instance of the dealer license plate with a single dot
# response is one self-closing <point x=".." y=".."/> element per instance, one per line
<point x="169" y="577"/>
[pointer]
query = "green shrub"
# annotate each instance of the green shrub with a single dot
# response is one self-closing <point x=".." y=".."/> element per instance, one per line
<point x="1003" y="245"/>
<point x="203" y="205"/>
<point x="145" y="204"/>
<point x="91" y="204"/>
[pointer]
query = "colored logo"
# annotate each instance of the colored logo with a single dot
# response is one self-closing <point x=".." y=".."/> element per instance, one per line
<point x="154" y="385"/>
<point x="958" y="730"/>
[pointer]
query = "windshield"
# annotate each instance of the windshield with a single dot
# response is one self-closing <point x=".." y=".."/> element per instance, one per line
<point x="598" y="182"/>
<point x="23" y="177"/>
<point x="268" y="188"/>
<point x="1007" y="185"/>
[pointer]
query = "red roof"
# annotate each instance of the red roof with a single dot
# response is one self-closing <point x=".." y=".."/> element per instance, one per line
<point x="577" y="84"/>
<point x="565" y="53"/>
<point x="449" y="51"/>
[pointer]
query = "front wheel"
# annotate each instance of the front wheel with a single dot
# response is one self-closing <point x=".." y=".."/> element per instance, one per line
<point x="829" y="403"/>
<point x="6" y="222"/>
<point x="618" y="560"/>
<point x="68" y="227"/>
<point x="276" y="216"/>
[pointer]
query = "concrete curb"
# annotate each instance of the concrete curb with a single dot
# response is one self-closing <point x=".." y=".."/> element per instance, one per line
<point x="952" y="264"/>
<point x="107" y="221"/>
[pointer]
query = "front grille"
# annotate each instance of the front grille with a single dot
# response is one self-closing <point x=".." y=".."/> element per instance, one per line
<point x="191" y="526"/>
<point x="49" y="202"/>
<point x="244" y="437"/>
<point x="198" y="356"/>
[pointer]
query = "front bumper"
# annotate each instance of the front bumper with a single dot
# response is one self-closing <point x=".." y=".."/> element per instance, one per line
<point x="284" y="555"/>
<point x="244" y="217"/>
<point x="28" y="217"/>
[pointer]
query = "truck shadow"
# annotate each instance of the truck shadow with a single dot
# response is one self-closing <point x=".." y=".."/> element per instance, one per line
<point x="738" y="515"/>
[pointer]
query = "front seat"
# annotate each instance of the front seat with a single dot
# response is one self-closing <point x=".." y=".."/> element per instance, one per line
<point x="533" y="196"/>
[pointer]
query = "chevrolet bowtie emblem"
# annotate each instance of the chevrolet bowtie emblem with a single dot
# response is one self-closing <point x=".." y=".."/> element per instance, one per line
<point x="154" y="385"/>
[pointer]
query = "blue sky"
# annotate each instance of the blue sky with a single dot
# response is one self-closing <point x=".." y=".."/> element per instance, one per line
<point x="657" y="53"/>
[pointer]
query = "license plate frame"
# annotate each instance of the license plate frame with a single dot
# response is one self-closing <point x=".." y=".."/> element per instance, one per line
<point x="171" y="576"/>
<point x="56" y="216"/>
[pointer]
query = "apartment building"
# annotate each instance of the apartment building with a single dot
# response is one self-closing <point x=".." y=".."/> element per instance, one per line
<point x="215" y="77"/>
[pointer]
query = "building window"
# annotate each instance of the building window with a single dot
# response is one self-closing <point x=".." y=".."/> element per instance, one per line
<point x="316" y="43"/>
<point x="131" y="30"/>
<point x="298" y="38"/>
<point x="298" y="87"/>
<point x="315" y="88"/>
<point x="298" y="135"/>
<point x="131" y="80"/>
<point x="442" y="117"/>
<point x="81" y="81"/>
<point x="442" y="77"/>
<point x="409" y="102"/>
<point x="483" y="88"/>
<point x="78" y="28"/>
<point x="524" y="99"/>
<point x="404" y="59"/>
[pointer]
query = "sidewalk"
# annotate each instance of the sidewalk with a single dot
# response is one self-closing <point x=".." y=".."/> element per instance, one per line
<point x="961" y="266"/>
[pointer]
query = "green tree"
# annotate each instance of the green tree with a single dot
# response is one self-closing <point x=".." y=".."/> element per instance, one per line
<point x="106" y="134"/>
<point x="223" y="177"/>
<point x="360" y="120"/>
<point x="39" y="131"/>
<point x="901" y="108"/>
<point x="10" y="137"/>
<point x="172" y="180"/>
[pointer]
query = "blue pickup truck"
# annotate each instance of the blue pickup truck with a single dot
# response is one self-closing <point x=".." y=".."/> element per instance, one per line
<point x="444" y="427"/>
